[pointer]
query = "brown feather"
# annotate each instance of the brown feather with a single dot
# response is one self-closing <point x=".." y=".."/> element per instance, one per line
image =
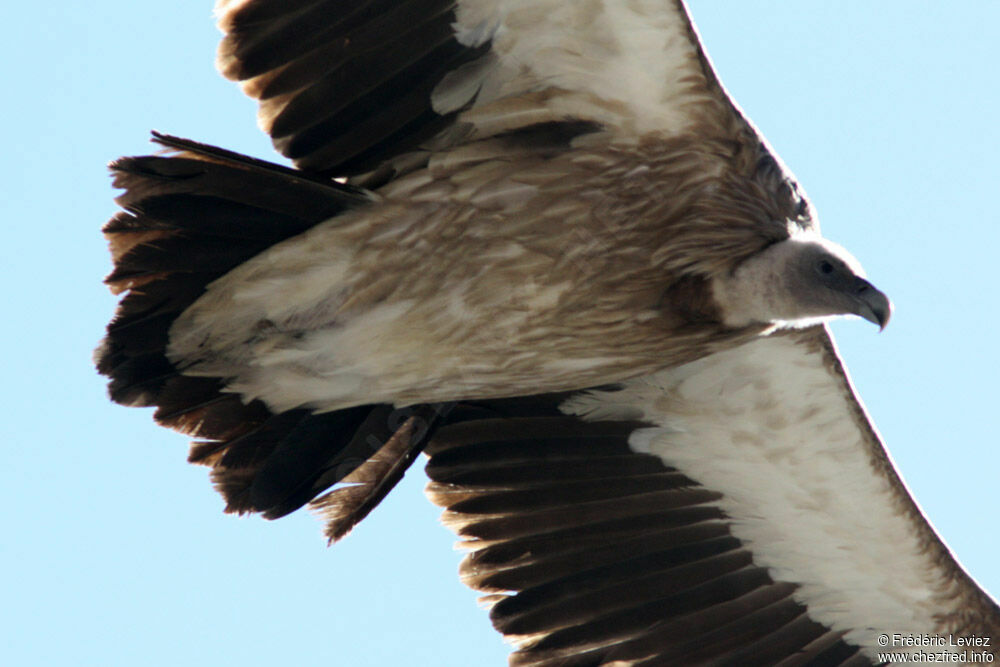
<point x="588" y="565"/>
<point x="188" y="219"/>
<point x="361" y="490"/>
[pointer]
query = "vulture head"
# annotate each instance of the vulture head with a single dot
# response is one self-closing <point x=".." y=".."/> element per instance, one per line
<point x="798" y="282"/>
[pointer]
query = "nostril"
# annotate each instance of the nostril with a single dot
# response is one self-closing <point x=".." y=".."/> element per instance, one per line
<point x="861" y="286"/>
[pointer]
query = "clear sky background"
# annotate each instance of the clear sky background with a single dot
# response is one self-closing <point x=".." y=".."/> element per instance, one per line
<point x="114" y="551"/>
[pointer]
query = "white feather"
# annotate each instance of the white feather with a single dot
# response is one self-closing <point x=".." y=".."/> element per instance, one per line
<point x="626" y="64"/>
<point x="766" y="425"/>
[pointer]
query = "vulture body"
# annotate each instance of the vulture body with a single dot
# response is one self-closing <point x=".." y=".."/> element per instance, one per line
<point x="539" y="242"/>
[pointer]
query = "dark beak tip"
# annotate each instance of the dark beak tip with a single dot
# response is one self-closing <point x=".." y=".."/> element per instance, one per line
<point x="873" y="305"/>
<point x="883" y="316"/>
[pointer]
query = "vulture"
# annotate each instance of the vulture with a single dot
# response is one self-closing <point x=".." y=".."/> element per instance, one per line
<point x="537" y="242"/>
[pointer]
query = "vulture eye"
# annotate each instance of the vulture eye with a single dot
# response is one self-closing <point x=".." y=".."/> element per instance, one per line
<point x="825" y="267"/>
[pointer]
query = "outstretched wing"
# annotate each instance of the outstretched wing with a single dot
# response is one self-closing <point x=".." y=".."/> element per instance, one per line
<point x="737" y="510"/>
<point x="349" y="87"/>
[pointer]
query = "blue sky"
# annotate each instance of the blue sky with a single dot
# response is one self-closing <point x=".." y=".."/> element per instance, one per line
<point x="116" y="552"/>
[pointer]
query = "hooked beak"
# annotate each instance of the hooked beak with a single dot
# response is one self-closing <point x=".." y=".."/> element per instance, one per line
<point x="871" y="304"/>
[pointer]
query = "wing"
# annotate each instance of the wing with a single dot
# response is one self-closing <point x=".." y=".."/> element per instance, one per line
<point x="736" y="510"/>
<point x="347" y="88"/>
<point x="673" y="189"/>
<point x="351" y="87"/>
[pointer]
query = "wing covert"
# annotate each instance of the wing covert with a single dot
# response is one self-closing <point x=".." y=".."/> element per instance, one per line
<point x="345" y="88"/>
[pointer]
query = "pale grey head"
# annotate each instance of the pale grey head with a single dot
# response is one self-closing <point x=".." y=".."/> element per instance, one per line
<point x="830" y="280"/>
<point x="798" y="282"/>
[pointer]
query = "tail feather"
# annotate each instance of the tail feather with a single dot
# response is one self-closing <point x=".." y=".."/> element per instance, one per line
<point x="367" y="484"/>
<point x="187" y="219"/>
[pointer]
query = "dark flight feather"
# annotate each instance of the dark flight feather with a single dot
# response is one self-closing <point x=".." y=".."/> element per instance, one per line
<point x="622" y="559"/>
<point x="344" y="89"/>
<point x="187" y="220"/>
